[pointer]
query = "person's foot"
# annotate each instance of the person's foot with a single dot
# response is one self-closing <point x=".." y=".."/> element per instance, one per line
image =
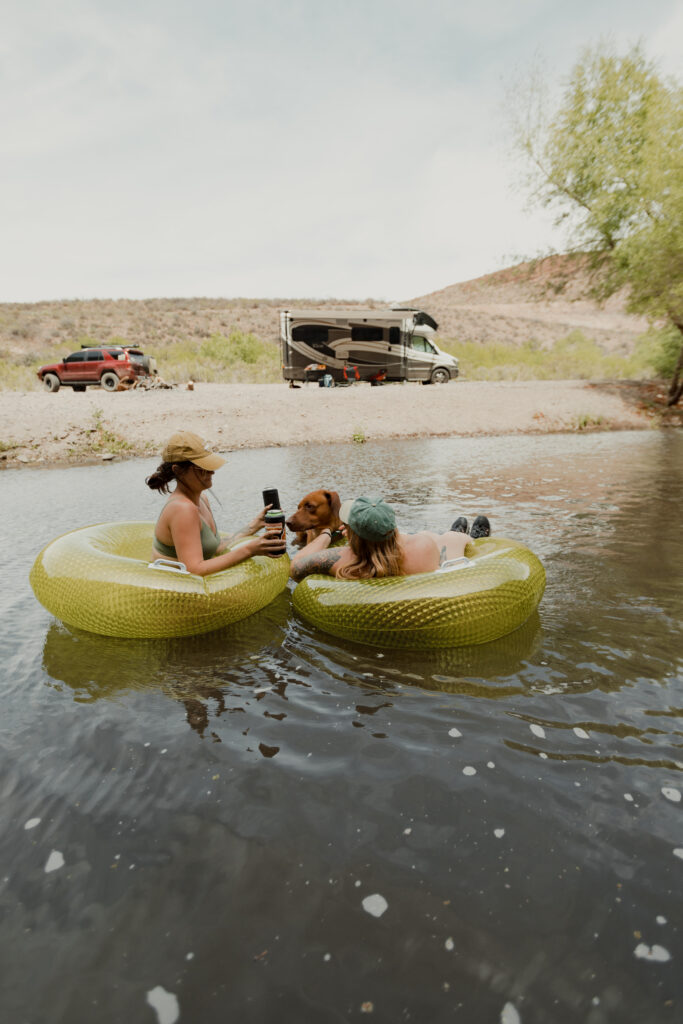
<point x="480" y="528"/>
<point x="460" y="525"/>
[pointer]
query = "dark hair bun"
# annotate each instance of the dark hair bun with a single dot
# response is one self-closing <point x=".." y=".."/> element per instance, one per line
<point x="161" y="478"/>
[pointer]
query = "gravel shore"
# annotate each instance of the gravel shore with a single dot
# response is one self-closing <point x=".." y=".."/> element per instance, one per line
<point x="39" y="428"/>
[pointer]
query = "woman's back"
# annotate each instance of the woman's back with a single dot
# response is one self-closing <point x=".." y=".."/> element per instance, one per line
<point x="419" y="553"/>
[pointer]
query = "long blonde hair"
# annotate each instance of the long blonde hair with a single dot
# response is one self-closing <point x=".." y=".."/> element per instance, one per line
<point x="372" y="559"/>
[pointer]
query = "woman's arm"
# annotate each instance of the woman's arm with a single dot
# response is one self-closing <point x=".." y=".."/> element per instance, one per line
<point x="184" y="527"/>
<point x="254" y="526"/>
<point x="316" y="556"/>
<point x="247" y="531"/>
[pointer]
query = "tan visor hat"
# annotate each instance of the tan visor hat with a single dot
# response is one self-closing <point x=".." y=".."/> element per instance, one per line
<point x="187" y="447"/>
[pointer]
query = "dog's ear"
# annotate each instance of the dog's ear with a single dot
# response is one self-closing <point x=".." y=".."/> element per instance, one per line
<point x="334" y="500"/>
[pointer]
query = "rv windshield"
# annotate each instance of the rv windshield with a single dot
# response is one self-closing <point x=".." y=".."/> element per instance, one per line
<point x="421" y="344"/>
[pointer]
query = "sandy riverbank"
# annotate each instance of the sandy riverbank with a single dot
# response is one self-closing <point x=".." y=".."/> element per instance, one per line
<point x="39" y="428"/>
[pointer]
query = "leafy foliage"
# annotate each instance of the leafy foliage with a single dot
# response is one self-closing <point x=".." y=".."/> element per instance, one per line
<point x="610" y="161"/>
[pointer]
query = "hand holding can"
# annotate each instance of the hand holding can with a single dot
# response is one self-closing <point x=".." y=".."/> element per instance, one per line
<point x="275" y="529"/>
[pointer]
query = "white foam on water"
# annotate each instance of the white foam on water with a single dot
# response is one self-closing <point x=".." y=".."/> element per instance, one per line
<point x="189" y="956"/>
<point x="499" y="833"/>
<point x="31" y="823"/>
<point x="509" y="1015"/>
<point x="165" y="1004"/>
<point x="469" y="770"/>
<point x="490" y="764"/>
<point x="454" y="732"/>
<point x="539" y="731"/>
<point x="581" y="733"/>
<point x="407" y="831"/>
<point x="543" y="756"/>
<point x="655" y="954"/>
<point x="375" y="905"/>
<point x="449" y="944"/>
<point x="678" y="852"/>
<point x="629" y="797"/>
<point x="327" y="957"/>
<point x="671" y="793"/>
<point x="54" y="862"/>
<point x="660" y="919"/>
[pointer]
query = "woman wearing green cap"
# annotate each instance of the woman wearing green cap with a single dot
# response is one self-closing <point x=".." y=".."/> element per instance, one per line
<point x="186" y="530"/>
<point x="376" y="548"/>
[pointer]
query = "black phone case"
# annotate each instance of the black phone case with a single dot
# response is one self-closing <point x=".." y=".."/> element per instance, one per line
<point x="271" y="497"/>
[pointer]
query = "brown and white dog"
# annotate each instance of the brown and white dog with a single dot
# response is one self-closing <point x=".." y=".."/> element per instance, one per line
<point x="318" y="511"/>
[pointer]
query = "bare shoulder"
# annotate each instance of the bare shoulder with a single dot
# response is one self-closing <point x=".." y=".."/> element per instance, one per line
<point x="318" y="562"/>
<point x="181" y="512"/>
<point x="421" y="552"/>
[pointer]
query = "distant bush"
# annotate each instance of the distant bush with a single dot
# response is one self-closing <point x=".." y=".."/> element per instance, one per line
<point x="239" y="357"/>
<point x="659" y="350"/>
<point x="574" y="357"/>
<point x="236" y="348"/>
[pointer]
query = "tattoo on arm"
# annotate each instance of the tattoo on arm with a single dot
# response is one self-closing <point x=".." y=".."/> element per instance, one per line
<point x="320" y="561"/>
<point x="442" y="555"/>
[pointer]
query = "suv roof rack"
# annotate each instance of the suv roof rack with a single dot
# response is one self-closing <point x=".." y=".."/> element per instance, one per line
<point x="108" y="348"/>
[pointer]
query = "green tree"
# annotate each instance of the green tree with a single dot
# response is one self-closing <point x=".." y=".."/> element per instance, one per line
<point x="609" y="160"/>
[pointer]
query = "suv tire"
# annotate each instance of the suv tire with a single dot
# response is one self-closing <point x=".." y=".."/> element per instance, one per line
<point x="51" y="382"/>
<point x="109" y="381"/>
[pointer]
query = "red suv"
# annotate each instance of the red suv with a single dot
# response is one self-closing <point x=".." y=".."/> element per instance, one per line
<point x="105" y="366"/>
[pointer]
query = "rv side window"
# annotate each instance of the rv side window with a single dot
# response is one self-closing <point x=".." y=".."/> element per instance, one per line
<point x="367" y="334"/>
<point x="314" y="335"/>
<point x="394" y="336"/>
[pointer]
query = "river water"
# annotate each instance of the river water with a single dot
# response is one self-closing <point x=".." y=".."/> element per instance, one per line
<point x="267" y="824"/>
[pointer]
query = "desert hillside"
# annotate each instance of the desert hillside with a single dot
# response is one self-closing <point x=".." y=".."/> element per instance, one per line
<point x="540" y="300"/>
<point x="544" y="299"/>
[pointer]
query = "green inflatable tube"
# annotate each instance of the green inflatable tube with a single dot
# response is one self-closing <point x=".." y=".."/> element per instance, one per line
<point x="98" y="578"/>
<point x="489" y="593"/>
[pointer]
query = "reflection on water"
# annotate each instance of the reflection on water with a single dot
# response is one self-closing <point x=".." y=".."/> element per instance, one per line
<point x="516" y="805"/>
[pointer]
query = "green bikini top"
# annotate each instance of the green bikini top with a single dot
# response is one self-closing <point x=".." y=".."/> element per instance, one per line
<point x="210" y="542"/>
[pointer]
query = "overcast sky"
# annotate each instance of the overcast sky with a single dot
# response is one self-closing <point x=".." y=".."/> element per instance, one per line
<point x="277" y="148"/>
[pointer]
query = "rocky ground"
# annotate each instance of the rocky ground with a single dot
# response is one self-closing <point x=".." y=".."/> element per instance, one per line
<point x="38" y="428"/>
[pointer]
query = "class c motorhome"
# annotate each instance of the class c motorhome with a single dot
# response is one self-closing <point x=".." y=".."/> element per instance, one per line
<point x="363" y="344"/>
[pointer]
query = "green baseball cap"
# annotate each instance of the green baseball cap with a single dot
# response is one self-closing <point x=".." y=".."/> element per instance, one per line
<point x="370" y="518"/>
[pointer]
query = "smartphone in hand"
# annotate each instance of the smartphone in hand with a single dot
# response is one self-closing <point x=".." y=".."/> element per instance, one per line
<point x="271" y="497"/>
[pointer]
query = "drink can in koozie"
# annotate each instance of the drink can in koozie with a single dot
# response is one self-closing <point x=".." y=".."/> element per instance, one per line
<point x="275" y="517"/>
